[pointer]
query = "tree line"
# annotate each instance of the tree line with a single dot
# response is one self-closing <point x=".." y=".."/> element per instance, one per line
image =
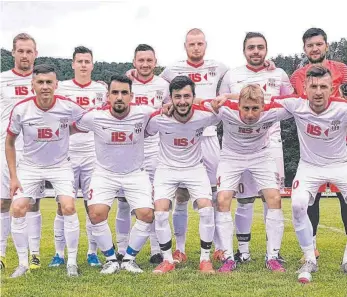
<point x="103" y="71"/>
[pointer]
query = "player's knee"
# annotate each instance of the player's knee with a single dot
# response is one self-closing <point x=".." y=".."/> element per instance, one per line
<point x="5" y="205"/>
<point x="34" y="207"/>
<point x="145" y="214"/>
<point x="224" y="200"/>
<point x="273" y="199"/>
<point x="68" y="208"/>
<point x="19" y="208"/>
<point x="204" y="202"/>
<point x="299" y="208"/>
<point x="97" y="215"/>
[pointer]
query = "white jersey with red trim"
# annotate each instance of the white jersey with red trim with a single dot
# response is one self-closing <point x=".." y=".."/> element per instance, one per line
<point x="90" y="95"/>
<point x="206" y="77"/>
<point x="247" y="139"/>
<point x="119" y="142"/>
<point x="153" y="93"/>
<point x="322" y="137"/>
<point x="14" y="88"/>
<point x="180" y="143"/>
<point x="45" y="132"/>
<point x="272" y="82"/>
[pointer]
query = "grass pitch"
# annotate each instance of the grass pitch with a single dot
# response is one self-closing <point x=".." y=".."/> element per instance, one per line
<point x="252" y="279"/>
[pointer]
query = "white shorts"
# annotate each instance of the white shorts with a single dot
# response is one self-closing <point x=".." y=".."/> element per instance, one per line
<point x="194" y="179"/>
<point x="310" y="177"/>
<point x="247" y="187"/>
<point x="82" y="168"/>
<point x="210" y="153"/>
<point x="261" y="166"/>
<point x="32" y="179"/>
<point x="105" y="185"/>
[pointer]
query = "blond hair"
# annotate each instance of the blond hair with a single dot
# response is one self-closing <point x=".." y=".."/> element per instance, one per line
<point x="23" y="36"/>
<point x="252" y="92"/>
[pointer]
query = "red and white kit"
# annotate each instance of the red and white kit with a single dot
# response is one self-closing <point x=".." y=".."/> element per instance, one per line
<point x="273" y="83"/>
<point x="322" y="138"/>
<point x="180" y="155"/>
<point x="119" y="145"/>
<point x="206" y="77"/>
<point x="46" y="143"/>
<point x="246" y="148"/>
<point x="82" y="148"/>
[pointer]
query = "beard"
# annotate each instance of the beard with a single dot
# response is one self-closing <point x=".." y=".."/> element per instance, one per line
<point x="119" y="107"/>
<point x="24" y="66"/>
<point x="317" y="61"/>
<point x="253" y="63"/>
<point x="183" y="114"/>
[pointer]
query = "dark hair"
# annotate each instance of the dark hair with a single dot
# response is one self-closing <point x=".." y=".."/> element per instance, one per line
<point x="317" y="71"/>
<point x="43" y="68"/>
<point x="121" y="79"/>
<point x="179" y="82"/>
<point x="81" y="50"/>
<point x="343" y="89"/>
<point x="250" y="35"/>
<point x="143" y="47"/>
<point x="312" y="32"/>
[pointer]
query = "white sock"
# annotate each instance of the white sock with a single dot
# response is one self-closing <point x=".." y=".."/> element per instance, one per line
<point x="123" y="226"/>
<point x="309" y="253"/>
<point x="163" y="230"/>
<point x="34" y="221"/>
<point x="72" y="234"/>
<point x="344" y="260"/>
<point x="138" y="237"/>
<point x="59" y="237"/>
<point x="315" y="242"/>
<point x="155" y="248"/>
<point x="92" y="246"/>
<point x="274" y="232"/>
<point x="206" y="230"/>
<point x="216" y="239"/>
<point x="303" y="229"/>
<point x="243" y="224"/>
<point x="103" y="237"/>
<point x="225" y="229"/>
<point x="20" y="239"/>
<point x="265" y="210"/>
<point x="5" y="223"/>
<point x="180" y="224"/>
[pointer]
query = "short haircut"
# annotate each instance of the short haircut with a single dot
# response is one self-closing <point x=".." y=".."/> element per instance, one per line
<point x="250" y="35"/>
<point x="195" y="31"/>
<point x="43" y="69"/>
<point x="343" y="90"/>
<point x="142" y="48"/>
<point x="121" y="79"/>
<point x="317" y="71"/>
<point x="23" y="36"/>
<point x="252" y="92"/>
<point x="81" y="50"/>
<point x="312" y="32"/>
<point x="181" y="81"/>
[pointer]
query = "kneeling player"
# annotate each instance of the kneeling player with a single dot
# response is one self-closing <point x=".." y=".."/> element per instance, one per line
<point x="119" y="135"/>
<point x="180" y="164"/>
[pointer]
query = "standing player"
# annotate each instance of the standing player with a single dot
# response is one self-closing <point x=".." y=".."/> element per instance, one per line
<point x="15" y="86"/>
<point x="246" y="147"/>
<point x="316" y="49"/>
<point x="119" y="144"/>
<point x="44" y="121"/>
<point x="321" y="122"/>
<point x="149" y="90"/>
<point x="180" y="164"/>
<point x="273" y="83"/>
<point x="88" y="94"/>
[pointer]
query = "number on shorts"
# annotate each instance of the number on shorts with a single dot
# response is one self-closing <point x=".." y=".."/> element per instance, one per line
<point x="295" y="184"/>
<point x="241" y="188"/>
<point x="90" y="194"/>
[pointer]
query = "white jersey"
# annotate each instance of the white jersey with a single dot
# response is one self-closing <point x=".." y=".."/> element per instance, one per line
<point x="272" y="82"/>
<point x="322" y="137"/>
<point x="119" y="143"/>
<point x="153" y="93"/>
<point x="206" y="77"/>
<point x="45" y="132"/>
<point x="87" y="96"/>
<point x="180" y="143"/>
<point x="242" y="138"/>
<point x="14" y="88"/>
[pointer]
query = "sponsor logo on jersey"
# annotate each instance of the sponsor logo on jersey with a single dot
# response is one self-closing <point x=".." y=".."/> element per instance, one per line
<point x="315" y="130"/>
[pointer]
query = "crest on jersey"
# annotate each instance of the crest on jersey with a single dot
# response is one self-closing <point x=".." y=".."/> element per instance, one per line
<point x="64" y="123"/>
<point x="212" y="71"/>
<point x="159" y="95"/>
<point x="271" y="82"/>
<point x="198" y="132"/>
<point x="99" y="97"/>
<point x="335" y="125"/>
<point x="138" y="128"/>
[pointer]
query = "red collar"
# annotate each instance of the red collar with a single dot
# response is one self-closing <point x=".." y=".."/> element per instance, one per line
<point x="255" y="69"/>
<point x="22" y="75"/>
<point x="144" y="81"/>
<point x="195" y="65"/>
<point x="38" y="106"/>
<point x="80" y="85"/>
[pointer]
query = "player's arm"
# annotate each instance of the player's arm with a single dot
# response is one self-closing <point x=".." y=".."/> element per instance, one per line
<point x="167" y="74"/>
<point x="293" y="81"/>
<point x="84" y="124"/>
<point x="286" y="86"/>
<point x="152" y="127"/>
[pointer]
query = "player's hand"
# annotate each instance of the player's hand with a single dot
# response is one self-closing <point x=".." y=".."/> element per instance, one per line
<point x="14" y="186"/>
<point x="167" y="109"/>
<point x="270" y="65"/>
<point x="215" y="105"/>
<point x="220" y="100"/>
<point x="131" y="74"/>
